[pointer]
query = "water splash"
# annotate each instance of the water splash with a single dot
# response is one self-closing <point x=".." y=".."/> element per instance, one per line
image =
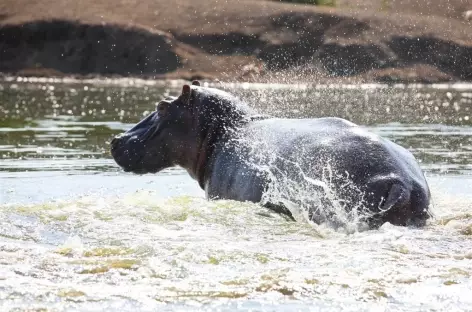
<point x="318" y="200"/>
<point x="318" y="195"/>
<point x="190" y="253"/>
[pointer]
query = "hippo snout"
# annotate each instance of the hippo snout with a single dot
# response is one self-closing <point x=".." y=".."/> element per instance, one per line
<point x="127" y="152"/>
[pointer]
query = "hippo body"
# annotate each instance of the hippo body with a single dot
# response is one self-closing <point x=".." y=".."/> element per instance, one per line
<point x="385" y="173"/>
<point x="311" y="163"/>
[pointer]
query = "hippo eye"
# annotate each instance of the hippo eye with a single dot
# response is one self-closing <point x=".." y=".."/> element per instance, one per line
<point x="162" y="108"/>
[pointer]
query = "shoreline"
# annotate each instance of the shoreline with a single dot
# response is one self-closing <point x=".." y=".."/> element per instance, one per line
<point x="177" y="83"/>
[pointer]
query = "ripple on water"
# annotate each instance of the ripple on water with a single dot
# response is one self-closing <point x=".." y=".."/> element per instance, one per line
<point x="187" y="250"/>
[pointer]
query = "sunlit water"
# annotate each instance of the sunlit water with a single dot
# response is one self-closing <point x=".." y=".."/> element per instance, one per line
<point x="77" y="233"/>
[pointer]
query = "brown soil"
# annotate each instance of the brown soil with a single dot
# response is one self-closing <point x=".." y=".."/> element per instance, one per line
<point x="371" y="40"/>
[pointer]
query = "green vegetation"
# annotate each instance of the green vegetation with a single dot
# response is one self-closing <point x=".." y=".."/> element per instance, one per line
<point x="315" y="2"/>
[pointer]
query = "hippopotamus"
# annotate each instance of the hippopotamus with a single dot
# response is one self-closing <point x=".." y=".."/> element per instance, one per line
<point x="323" y="165"/>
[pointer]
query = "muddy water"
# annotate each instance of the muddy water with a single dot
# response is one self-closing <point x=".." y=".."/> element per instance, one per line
<point x="77" y="233"/>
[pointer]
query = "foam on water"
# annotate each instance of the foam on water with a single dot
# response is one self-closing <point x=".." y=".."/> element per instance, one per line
<point x="140" y="250"/>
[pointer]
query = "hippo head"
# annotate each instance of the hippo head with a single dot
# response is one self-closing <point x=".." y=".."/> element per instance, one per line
<point x="181" y="131"/>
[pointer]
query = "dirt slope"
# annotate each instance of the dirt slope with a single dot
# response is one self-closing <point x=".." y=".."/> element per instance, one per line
<point x="396" y="40"/>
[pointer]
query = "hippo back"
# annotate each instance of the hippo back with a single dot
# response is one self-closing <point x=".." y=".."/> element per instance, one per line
<point x="315" y="154"/>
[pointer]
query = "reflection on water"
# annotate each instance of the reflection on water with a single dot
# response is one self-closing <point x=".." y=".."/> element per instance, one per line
<point x="77" y="233"/>
<point x="441" y="148"/>
<point x="65" y="127"/>
<point x="63" y="121"/>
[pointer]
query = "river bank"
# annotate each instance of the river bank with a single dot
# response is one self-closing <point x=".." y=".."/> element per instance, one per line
<point x="255" y="41"/>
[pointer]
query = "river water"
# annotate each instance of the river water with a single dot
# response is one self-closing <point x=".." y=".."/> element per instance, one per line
<point x="79" y="234"/>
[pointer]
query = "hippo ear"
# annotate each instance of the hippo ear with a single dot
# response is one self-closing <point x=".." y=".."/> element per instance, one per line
<point x="196" y="83"/>
<point x="186" y="90"/>
<point x="185" y="96"/>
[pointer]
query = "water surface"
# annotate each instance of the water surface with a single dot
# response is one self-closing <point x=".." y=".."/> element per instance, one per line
<point x="77" y="233"/>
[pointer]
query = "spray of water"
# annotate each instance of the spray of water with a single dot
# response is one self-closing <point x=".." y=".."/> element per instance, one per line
<point x="318" y="194"/>
<point x="312" y="189"/>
